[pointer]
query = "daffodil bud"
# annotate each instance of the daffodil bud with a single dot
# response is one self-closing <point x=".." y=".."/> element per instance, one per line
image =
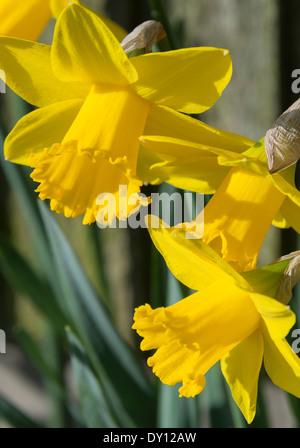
<point x="290" y="277"/>
<point x="143" y="36"/>
<point x="282" y="141"/>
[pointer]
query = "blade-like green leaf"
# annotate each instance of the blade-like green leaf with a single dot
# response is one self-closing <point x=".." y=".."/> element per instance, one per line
<point x="41" y="360"/>
<point x="90" y="320"/>
<point x="14" y="416"/>
<point x="95" y="411"/>
<point x="18" y="178"/>
<point x="70" y="268"/>
<point x="23" y="278"/>
<point x="216" y="399"/>
<point x="22" y="188"/>
<point x="35" y="354"/>
<point x="50" y="370"/>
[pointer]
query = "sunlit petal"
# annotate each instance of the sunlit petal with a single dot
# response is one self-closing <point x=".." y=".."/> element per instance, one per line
<point x="24" y="19"/>
<point x="28" y="72"/>
<point x="40" y="129"/>
<point x="241" y="367"/>
<point x="189" y="80"/>
<point x="282" y="365"/>
<point x="78" y="56"/>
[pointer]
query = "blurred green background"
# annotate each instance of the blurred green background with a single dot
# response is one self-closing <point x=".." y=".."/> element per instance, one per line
<point x="72" y="358"/>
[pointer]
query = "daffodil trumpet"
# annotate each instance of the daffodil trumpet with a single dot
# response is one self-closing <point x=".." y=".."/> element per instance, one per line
<point x="238" y="217"/>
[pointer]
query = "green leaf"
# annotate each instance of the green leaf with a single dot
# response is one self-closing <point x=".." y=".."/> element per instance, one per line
<point x="35" y="354"/>
<point x="14" y="416"/>
<point x="103" y="344"/>
<point x="215" y="397"/>
<point x="95" y="411"/>
<point x="23" y="188"/>
<point x="18" y="178"/>
<point x="70" y="273"/>
<point x="23" y="278"/>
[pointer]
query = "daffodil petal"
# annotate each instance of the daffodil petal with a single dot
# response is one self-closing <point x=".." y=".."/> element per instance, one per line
<point x="183" y="148"/>
<point x="282" y="365"/>
<point x="189" y="80"/>
<point x="253" y="159"/>
<point x="184" y="164"/>
<point x="40" y="129"/>
<point x="291" y="212"/>
<point x="277" y="317"/>
<point x="191" y="261"/>
<point x="24" y="19"/>
<point x="174" y="157"/>
<point x="181" y="126"/>
<point x="258" y="153"/>
<point x="254" y="166"/>
<point x="57" y="7"/>
<point x="118" y="31"/>
<point x="280" y="220"/>
<point x="28" y="72"/>
<point x="241" y="367"/>
<point x="85" y="50"/>
<point x="285" y="187"/>
<point x="199" y="174"/>
<point x="284" y="181"/>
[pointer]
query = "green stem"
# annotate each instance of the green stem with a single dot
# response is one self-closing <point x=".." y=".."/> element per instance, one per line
<point x="97" y="241"/>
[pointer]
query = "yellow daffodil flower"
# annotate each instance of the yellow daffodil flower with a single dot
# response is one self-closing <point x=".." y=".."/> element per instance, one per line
<point x="27" y="19"/>
<point x="246" y="202"/>
<point x="201" y="164"/>
<point x="95" y="103"/>
<point x="231" y="317"/>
